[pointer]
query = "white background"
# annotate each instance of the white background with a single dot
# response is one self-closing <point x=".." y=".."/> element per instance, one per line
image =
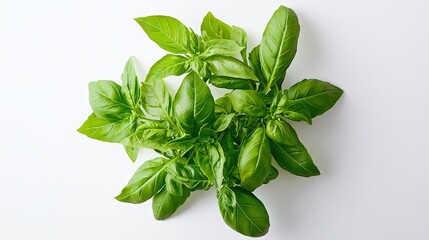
<point x="371" y="148"/>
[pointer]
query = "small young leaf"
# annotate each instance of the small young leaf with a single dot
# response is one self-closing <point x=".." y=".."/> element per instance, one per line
<point x="255" y="62"/>
<point x="169" y="33"/>
<point x="132" y="152"/>
<point x="130" y="85"/>
<point x="273" y="174"/>
<point x="222" y="47"/>
<point x="232" y="83"/>
<point x="222" y="122"/>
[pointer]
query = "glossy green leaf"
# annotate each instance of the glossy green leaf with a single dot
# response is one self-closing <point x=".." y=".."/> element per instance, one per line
<point x="211" y="160"/>
<point x="273" y="174"/>
<point x="165" y="204"/>
<point x="288" y="151"/>
<point x="222" y="47"/>
<point x="243" y="211"/>
<point x="169" y="33"/>
<point x="249" y="102"/>
<point x="152" y="134"/>
<point x="106" y="131"/>
<point x="222" y="122"/>
<point x="132" y="152"/>
<point x="297" y="111"/>
<point x="189" y="175"/>
<point x="169" y="65"/>
<point x="255" y="62"/>
<point x="130" y="85"/>
<point x="193" y="104"/>
<point x="232" y="83"/>
<point x="146" y="181"/>
<point x="213" y="28"/>
<point x="279" y="45"/>
<point x="173" y="186"/>
<point x="254" y="161"/>
<point x="107" y="102"/>
<point x="156" y="99"/>
<point x="223" y="105"/>
<point x="315" y="95"/>
<point x="230" y="67"/>
<point x="182" y="143"/>
<point x="240" y="37"/>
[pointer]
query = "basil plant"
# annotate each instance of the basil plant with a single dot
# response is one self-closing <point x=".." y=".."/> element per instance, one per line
<point x="230" y="143"/>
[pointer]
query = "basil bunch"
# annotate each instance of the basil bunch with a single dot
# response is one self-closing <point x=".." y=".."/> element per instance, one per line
<point x="225" y="143"/>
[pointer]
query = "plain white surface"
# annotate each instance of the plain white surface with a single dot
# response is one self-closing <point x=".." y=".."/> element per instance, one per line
<point x="371" y="148"/>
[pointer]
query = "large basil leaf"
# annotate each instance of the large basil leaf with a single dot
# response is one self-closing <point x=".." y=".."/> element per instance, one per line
<point x="243" y="211"/>
<point x="106" y="131"/>
<point x="151" y="134"/>
<point x="169" y="65"/>
<point x="288" y="151"/>
<point x="193" y="104"/>
<point x="278" y="45"/>
<point x="213" y="28"/>
<point x="230" y="67"/>
<point x="165" y="204"/>
<point x="130" y="85"/>
<point x="169" y="33"/>
<point x="314" y="95"/>
<point x="107" y="102"/>
<point x="232" y="83"/>
<point x="249" y="102"/>
<point x="254" y="161"/>
<point x="146" y="181"/>
<point x="189" y="175"/>
<point x="156" y="99"/>
<point x="222" y="47"/>
<point x="173" y="186"/>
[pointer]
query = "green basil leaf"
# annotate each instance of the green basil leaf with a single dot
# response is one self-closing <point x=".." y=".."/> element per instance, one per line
<point x="222" y="122"/>
<point x="130" y="85"/>
<point x="189" y="175"/>
<point x="255" y="62"/>
<point x="213" y="28"/>
<point x="249" y="102"/>
<point x="240" y="37"/>
<point x="193" y="104"/>
<point x="254" y="161"/>
<point x="223" y="47"/>
<point x="165" y="204"/>
<point x="169" y="65"/>
<point x="243" y="211"/>
<point x="288" y="151"/>
<point x="211" y="160"/>
<point x="200" y="67"/>
<point x="169" y="33"/>
<point x="107" y="102"/>
<point x="230" y="67"/>
<point x="156" y="99"/>
<point x="146" y="181"/>
<point x="232" y="83"/>
<point x="196" y="42"/>
<point x="297" y="111"/>
<point x="173" y="186"/>
<point x="223" y="105"/>
<point x="182" y="143"/>
<point x="151" y="134"/>
<point x="315" y="95"/>
<point x="132" y="152"/>
<point x="273" y="174"/>
<point x="278" y="45"/>
<point x="106" y="131"/>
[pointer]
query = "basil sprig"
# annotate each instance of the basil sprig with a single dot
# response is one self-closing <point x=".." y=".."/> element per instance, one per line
<point x="231" y="143"/>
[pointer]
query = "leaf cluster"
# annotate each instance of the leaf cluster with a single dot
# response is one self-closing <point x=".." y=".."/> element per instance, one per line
<point x="229" y="143"/>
